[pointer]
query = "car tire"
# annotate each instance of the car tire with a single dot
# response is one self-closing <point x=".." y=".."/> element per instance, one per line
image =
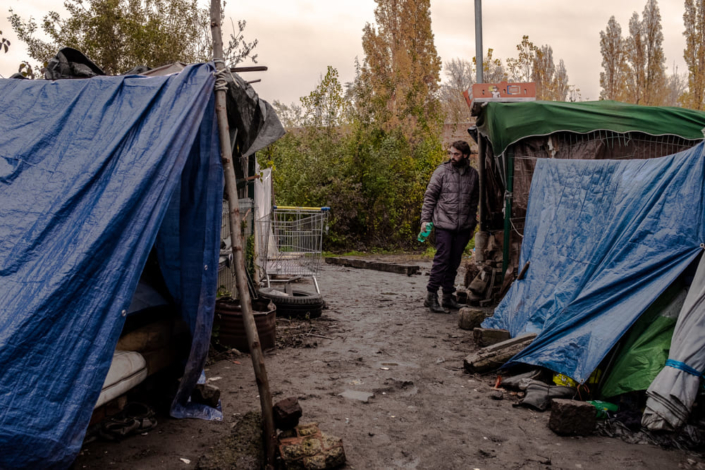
<point x="297" y="305"/>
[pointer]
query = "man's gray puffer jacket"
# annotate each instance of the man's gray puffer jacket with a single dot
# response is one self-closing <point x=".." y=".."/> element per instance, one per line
<point x="451" y="198"/>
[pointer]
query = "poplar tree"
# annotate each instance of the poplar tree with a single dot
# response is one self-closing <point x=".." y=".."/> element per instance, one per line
<point x="636" y="56"/>
<point x="654" y="60"/>
<point x="521" y="69"/>
<point x="561" y="86"/>
<point x="551" y="80"/>
<point x="694" y="53"/>
<point x="401" y="68"/>
<point x="614" y="62"/>
<point x="646" y="81"/>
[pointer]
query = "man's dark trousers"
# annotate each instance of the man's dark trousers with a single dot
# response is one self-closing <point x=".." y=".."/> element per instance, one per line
<point x="450" y="245"/>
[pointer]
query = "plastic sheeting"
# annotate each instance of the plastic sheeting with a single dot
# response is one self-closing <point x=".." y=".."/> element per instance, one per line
<point x="673" y="392"/>
<point x="506" y="123"/>
<point x="89" y="171"/>
<point x="645" y="349"/>
<point x="605" y="239"/>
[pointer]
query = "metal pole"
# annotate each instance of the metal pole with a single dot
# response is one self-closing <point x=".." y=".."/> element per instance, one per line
<point x="240" y="279"/>
<point x="508" y="195"/>
<point x="481" y="145"/>
<point x="478" y="41"/>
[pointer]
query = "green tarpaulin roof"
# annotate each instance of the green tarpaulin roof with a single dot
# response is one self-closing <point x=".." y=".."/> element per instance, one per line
<point x="506" y="123"/>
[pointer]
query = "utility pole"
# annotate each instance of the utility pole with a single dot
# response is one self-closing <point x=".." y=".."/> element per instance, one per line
<point x="478" y="41"/>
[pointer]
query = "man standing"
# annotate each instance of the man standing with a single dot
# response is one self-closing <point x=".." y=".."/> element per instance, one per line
<point x="450" y="202"/>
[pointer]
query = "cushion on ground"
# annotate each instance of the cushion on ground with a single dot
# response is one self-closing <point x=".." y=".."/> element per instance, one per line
<point x="126" y="371"/>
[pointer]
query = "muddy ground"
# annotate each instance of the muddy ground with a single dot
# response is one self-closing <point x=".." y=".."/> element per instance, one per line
<point x="425" y="412"/>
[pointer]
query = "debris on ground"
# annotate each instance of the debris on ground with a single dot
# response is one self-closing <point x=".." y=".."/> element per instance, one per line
<point x="306" y="448"/>
<point x="304" y="333"/>
<point x="242" y="449"/>
<point x="539" y="395"/>
<point x="206" y="394"/>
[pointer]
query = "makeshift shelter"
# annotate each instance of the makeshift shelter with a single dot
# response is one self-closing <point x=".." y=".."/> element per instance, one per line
<point x="605" y="239"/>
<point x="513" y="137"/>
<point x="94" y="174"/>
<point x="672" y="394"/>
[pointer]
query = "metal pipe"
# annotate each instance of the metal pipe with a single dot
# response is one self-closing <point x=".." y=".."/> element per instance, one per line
<point x="478" y="41"/>
<point x="509" y="156"/>
<point x="253" y="68"/>
<point x="236" y="236"/>
<point x="481" y="145"/>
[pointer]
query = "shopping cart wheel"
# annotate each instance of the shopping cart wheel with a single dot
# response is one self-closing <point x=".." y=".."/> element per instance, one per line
<point x="299" y="304"/>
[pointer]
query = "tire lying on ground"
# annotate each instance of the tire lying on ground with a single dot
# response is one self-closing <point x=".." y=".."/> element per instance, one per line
<point x="299" y="304"/>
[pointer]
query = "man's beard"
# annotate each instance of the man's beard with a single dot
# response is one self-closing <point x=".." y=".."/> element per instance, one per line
<point x="460" y="164"/>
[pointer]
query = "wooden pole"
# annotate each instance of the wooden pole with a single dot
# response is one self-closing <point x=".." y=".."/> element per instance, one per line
<point x="240" y="278"/>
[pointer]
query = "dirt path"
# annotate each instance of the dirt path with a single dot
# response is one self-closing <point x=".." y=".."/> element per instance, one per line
<point x="425" y="413"/>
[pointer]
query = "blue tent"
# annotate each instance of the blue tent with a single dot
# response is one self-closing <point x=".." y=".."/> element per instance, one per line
<point x="93" y="173"/>
<point x="605" y="238"/>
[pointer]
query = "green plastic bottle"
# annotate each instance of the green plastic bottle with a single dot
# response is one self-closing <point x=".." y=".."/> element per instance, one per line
<point x="424" y="235"/>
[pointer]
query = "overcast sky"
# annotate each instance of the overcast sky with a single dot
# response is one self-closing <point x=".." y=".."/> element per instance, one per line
<point x="298" y="39"/>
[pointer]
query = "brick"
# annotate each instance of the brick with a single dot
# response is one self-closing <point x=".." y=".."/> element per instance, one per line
<point x="287" y="413"/>
<point x="572" y="418"/>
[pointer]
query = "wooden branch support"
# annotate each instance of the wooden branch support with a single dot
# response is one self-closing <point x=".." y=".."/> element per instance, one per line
<point x="240" y="277"/>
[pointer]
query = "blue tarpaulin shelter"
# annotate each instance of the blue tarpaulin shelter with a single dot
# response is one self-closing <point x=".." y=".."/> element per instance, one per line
<point x="605" y="238"/>
<point x="93" y="173"/>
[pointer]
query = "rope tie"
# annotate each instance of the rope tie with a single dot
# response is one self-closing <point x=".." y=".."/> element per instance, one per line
<point x="221" y="83"/>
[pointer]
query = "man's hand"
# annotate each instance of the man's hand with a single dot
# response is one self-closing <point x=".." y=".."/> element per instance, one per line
<point x="423" y="227"/>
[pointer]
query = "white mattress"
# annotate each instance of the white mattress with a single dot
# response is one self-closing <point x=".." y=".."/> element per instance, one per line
<point x="126" y="371"/>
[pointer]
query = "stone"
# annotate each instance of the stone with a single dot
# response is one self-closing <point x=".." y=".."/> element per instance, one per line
<point x="364" y="397"/>
<point x="287" y="413"/>
<point x="497" y="395"/>
<point x="470" y="318"/>
<point x="206" y="394"/>
<point x="572" y="418"/>
<point x="484" y="337"/>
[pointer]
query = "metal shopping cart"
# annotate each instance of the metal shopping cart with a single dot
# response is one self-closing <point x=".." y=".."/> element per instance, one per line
<point x="291" y="243"/>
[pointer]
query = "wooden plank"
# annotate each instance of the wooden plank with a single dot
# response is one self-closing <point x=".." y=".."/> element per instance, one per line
<point x="493" y="357"/>
<point x="409" y="270"/>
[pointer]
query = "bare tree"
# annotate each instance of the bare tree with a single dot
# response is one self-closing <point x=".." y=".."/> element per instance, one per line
<point x="459" y="77"/>
<point x="676" y="88"/>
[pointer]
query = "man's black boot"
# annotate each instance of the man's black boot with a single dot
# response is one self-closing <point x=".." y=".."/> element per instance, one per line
<point x="432" y="303"/>
<point x="449" y="302"/>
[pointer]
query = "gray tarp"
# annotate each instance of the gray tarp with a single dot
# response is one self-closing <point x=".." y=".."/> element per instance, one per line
<point x="673" y="391"/>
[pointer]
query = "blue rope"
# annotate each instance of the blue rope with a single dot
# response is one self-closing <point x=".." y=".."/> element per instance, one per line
<point x="684" y="367"/>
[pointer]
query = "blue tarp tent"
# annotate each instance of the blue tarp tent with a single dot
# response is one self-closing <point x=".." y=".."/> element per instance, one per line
<point x="605" y="238"/>
<point x="93" y="173"/>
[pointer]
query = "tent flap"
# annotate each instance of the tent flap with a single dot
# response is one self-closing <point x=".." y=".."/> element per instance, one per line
<point x="605" y="239"/>
<point x="87" y="172"/>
